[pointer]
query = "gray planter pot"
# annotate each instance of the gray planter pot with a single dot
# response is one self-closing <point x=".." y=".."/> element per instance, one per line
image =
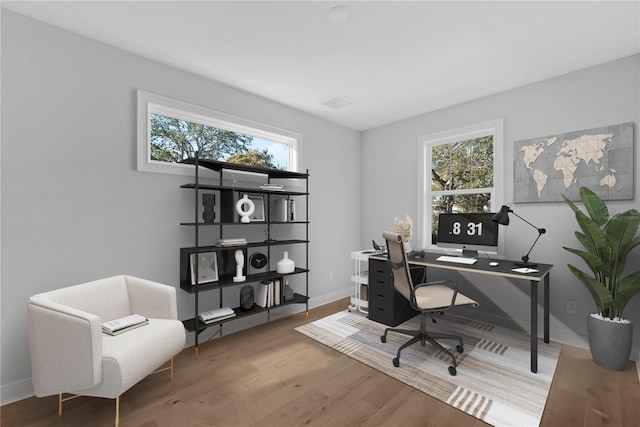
<point x="610" y="342"/>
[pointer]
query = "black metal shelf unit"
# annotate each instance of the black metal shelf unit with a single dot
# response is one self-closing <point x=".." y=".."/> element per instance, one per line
<point x="228" y="195"/>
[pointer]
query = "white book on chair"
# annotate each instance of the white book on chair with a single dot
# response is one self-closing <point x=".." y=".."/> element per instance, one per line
<point x="123" y="324"/>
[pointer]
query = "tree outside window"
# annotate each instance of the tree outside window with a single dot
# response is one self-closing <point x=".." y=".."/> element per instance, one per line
<point x="459" y="174"/>
<point x="173" y="140"/>
<point x="171" y="130"/>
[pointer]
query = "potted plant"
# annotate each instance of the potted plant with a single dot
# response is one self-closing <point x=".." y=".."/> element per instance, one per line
<point x="607" y="242"/>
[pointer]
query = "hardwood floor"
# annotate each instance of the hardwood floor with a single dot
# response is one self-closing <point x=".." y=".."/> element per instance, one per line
<point x="271" y="375"/>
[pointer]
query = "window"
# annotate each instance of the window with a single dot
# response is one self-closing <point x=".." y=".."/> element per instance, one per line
<point x="459" y="173"/>
<point x="169" y="131"/>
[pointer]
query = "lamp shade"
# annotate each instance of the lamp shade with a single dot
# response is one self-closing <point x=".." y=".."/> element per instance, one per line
<point x="502" y="217"/>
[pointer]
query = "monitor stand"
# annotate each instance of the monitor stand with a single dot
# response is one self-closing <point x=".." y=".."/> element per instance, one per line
<point x="469" y="253"/>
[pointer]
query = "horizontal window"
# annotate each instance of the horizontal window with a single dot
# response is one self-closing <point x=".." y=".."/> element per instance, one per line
<point x="170" y="131"/>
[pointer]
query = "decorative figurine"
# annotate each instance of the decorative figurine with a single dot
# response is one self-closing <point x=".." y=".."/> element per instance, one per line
<point x="239" y="265"/>
<point x="245" y="208"/>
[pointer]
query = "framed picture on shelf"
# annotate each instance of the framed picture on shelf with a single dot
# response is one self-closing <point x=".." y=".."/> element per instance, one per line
<point x="258" y="213"/>
<point x="207" y="267"/>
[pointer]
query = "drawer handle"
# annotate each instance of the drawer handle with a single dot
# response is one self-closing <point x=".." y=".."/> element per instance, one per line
<point x="381" y="295"/>
<point x="381" y="309"/>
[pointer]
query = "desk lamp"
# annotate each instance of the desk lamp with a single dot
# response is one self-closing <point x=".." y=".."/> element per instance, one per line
<point x="502" y="218"/>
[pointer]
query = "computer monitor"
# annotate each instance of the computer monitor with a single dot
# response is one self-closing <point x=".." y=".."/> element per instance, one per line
<point x="471" y="232"/>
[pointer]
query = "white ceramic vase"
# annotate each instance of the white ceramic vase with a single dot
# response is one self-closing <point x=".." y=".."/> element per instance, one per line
<point x="286" y="265"/>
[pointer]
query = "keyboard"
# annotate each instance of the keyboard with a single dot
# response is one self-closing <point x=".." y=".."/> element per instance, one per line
<point x="457" y="259"/>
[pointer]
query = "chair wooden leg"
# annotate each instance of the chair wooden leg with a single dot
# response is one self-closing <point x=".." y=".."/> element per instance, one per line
<point x="166" y="368"/>
<point x="117" y="423"/>
<point x="64" y="399"/>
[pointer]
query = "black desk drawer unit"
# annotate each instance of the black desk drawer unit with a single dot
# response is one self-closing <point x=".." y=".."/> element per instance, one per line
<point x="386" y="306"/>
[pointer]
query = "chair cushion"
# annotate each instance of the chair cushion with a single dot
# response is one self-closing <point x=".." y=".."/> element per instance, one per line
<point x="439" y="296"/>
<point x="132" y="355"/>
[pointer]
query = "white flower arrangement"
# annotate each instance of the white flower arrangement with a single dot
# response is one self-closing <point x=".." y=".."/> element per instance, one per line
<point x="403" y="228"/>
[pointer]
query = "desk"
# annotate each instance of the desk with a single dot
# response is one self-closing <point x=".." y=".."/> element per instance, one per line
<point x="503" y="269"/>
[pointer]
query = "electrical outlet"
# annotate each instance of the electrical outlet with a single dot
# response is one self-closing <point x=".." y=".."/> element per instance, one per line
<point x="571" y="306"/>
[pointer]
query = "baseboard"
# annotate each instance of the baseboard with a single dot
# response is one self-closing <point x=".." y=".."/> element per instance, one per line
<point x="15" y="391"/>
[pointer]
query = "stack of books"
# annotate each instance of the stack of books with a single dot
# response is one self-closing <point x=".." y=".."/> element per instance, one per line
<point x="283" y="210"/>
<point x="124" y="324"/>
<point x="216" y="315"/>
<point x="272" y="187"/>
<point x="239" y="241"/>
<point x="269" y="293"/>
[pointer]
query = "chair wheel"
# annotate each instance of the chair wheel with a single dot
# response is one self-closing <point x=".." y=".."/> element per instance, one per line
<point x="452" y="371"/>
<point x="460" y="349"/>
<point x="396" y="362"/>
<point x="383" y="339"/>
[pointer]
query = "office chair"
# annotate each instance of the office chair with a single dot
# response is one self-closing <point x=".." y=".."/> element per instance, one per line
<point x="427" y="298"/>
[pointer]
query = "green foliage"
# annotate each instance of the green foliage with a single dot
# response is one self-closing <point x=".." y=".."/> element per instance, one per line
<point x="607" y="243"/>
<point x="461" y="165"/>
<point x="254" y="158"/>
<point x="173" y="140"/>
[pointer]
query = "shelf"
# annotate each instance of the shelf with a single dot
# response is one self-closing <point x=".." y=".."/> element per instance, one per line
<point x="218" y="166"/>
<point x="277" y="205"/>
<point x="362" y="278"/>
<point x="192" y="186"/>
<point x="215" y="248"/>
<point x="190" y="324"/>
<point x="251" y="278"/>
<point x="206" y="224"/>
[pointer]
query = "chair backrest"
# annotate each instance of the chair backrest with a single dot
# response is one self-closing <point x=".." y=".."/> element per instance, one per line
<point x="397" y="258"/>
<point x="107" y="298"/>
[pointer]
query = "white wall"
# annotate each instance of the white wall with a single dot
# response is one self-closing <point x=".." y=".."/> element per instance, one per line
<point x="74" y="208"/>
<point x="598" y="96"/>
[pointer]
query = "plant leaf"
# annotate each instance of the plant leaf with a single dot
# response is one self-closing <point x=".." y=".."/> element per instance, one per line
<point x="570" y="203"/>
<point x="595" y="206"/>
<point x="627" y="289"/>
<point x="593" y="261"/>
<point x="601" y="295"/>
<point x="593" y="232"/>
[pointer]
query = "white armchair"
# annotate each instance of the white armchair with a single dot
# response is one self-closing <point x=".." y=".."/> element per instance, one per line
<point x="71" y="355"/>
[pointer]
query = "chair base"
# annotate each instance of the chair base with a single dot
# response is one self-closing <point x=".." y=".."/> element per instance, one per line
<point x="423" y="336"/>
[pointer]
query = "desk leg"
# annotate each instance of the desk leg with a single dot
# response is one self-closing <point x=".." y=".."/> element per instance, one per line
<point x="534" y="326"/>
<point x="546" y="308"/>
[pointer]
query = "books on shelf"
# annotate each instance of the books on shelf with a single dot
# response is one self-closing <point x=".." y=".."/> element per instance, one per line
<point x="237" y="241"/>
<point x="216" y="315"/>
<point x="272" y="187"/>
<point x="269" y="293"/>
<point x="124" y="324"/>
<point x="283" y="210"/>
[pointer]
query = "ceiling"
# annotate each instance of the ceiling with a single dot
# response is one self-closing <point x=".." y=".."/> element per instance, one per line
<point x="391" y="60"/>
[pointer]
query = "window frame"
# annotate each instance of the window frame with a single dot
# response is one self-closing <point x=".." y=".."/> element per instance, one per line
<point x="426" y="143"/>
<point x="150" y="103"/>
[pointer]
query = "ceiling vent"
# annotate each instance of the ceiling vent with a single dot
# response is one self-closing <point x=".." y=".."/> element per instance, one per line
<point x="338" y="101"/>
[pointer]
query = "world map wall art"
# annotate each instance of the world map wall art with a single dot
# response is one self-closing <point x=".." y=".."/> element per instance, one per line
<point x="601" y="159"/>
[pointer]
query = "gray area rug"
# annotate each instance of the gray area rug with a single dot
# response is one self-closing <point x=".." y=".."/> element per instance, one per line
<point x="494" y="382"/>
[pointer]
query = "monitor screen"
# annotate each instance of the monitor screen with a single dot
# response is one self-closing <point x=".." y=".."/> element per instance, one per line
<point x="470" y="232"/>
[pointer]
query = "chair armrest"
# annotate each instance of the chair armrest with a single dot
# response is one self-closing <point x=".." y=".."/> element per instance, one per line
<point x="152" y="299"/>
<point x="65" y="347"/>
